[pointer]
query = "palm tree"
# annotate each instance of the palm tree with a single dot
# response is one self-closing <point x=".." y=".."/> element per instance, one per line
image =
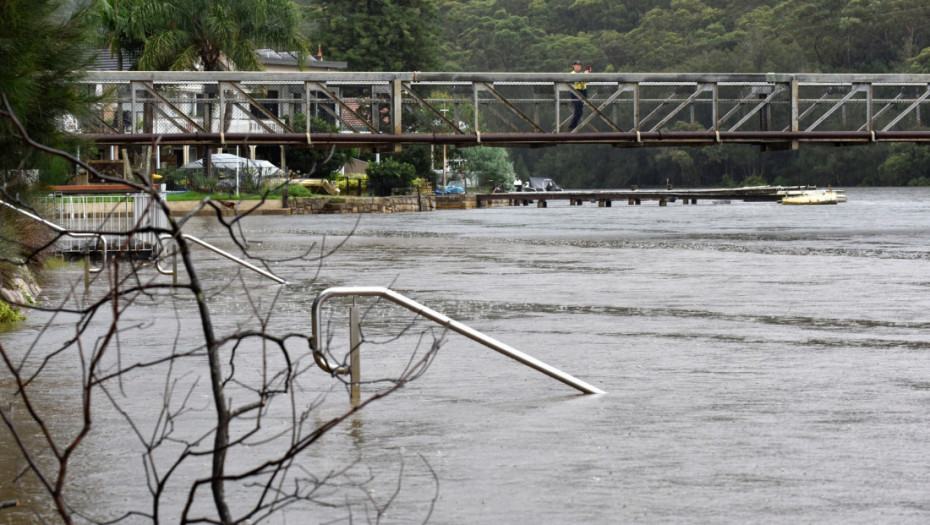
<point x="115" y="28"/>
<point x="214" y="35"/>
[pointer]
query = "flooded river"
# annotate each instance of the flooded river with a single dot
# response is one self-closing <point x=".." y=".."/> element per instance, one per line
<point x="762" y="363"/>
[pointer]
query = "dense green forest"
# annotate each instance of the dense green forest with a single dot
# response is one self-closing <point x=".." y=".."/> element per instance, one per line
<point x="868" y="36"/>
<point x="788" y="36"/>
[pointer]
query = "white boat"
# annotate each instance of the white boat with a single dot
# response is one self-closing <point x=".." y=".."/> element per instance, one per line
<point x="815" y="197"/>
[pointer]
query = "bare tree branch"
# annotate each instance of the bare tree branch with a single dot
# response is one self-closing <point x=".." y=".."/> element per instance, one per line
<point x="222" y="436"/>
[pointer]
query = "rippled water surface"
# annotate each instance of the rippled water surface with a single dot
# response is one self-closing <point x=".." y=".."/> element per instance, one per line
<point x="762" y="363"/>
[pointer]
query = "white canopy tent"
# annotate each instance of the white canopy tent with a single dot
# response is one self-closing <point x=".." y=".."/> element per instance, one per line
<point x="233" y="164"/>
<point x="228" y="161"/>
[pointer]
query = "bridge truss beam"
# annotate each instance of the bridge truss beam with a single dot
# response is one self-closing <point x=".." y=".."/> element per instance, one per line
<point x="389" y="110"/>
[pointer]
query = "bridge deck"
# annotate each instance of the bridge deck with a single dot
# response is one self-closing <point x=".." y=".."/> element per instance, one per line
<point x="503" y="109"/>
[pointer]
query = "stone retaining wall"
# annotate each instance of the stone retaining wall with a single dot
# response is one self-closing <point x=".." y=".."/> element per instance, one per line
<point x="230" y="207"/>
<point x="22" y="289"/>
<point x="396" y="204"/>
<point x="456" y="202"/>
<point x="340" y="204"/>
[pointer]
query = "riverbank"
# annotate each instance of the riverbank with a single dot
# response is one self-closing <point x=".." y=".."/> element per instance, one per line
<point x="21" y="288"/>
<point x="332" y="205"/>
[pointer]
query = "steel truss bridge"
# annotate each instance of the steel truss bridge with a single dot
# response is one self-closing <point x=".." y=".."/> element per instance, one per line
<point x="390" y="110"/>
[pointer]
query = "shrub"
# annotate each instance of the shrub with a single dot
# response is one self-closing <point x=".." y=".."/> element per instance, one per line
<point x="200" y="182"/>
<point x="296" y="190"/>
<point x="390" y="174"/>
<point x="8" y="314"/>
<point x="176" y="179"/>
<point x="351" y="183"/>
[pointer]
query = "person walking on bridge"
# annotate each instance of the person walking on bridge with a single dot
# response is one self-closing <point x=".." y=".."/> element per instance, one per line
<point x="581" y="87"/>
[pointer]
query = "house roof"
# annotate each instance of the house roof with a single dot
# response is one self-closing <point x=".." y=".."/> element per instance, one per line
<point x="104" y="62"/>
<point x="269" y="58"/>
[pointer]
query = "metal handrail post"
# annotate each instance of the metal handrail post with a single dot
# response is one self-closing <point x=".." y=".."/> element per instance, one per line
<point x="102" y="240"/>
<point x="451" y="324"/>
<point x="174" y="265"/>
<point x="355" y="358"/>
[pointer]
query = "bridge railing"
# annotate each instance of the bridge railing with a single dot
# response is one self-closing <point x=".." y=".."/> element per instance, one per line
<point x="502" y="108"/>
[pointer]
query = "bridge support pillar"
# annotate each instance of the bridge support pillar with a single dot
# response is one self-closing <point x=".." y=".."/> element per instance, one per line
<point x="542" y="204"/>
<point x="604" y="203"/>
<point x="663" y="202"/>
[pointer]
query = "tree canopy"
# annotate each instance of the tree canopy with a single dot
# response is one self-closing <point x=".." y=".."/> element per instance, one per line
<point x="492" y="165"/>
<point x="685" y="35"/>
<point x="43" y="48"/>
<point x="214" y="35"/>
<point x="817" y="36"/>
<point x="377" y="35"/>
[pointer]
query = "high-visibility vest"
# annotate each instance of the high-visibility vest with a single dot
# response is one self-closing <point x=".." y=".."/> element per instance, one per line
<point x="580" y="85"/>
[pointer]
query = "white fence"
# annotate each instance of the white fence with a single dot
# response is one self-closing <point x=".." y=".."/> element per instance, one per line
<point x="121" y="219"/>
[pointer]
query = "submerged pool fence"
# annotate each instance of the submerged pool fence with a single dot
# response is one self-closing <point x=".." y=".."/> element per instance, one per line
<point x="123" y="222"/>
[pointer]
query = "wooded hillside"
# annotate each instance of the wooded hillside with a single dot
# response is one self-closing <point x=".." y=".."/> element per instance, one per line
<point x="873" y="36"/>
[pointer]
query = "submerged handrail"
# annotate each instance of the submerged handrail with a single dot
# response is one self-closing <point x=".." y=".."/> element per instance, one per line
<point x="103" y="241"/>
<point x="63" y="231"/>
<point x="219" y="251"/>
<point x="451" y="324"/>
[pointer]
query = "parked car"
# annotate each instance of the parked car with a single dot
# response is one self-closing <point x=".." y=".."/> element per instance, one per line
<point x="541" y="184"/>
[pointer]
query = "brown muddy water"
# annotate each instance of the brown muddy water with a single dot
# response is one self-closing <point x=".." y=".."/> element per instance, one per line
<point x="762" y="363"/>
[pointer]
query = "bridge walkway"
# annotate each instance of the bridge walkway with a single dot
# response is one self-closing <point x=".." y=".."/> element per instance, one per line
<point x="389" y="110"/>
